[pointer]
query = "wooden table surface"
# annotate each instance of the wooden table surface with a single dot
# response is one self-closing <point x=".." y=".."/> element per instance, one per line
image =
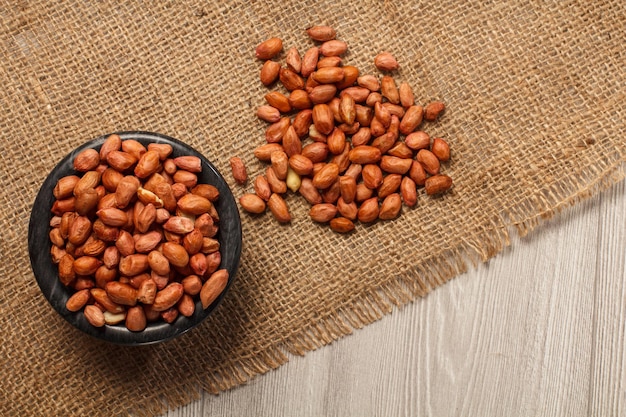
<point x="537" y="330"/>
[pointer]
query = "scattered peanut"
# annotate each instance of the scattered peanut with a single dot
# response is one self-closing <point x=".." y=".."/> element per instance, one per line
<point x="353" y="148"/>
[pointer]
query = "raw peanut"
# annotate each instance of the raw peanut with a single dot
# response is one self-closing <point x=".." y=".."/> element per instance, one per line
<point x="439" y="148"/>
<point x="323" y="118"/>
<point x="89" y="180"/>
<point x="290" y="80"/>
<point x="148" y="164"/>
<point x="350" y="75"/>
<point x="336" y="141"/>
<point x="126" y="191"/>
<point x="194" y="204"/>
<point x="299" y="100"/>
<point x="293" y="60"/>
<point x="341" y="225"/>
<point x="376" y="127"/>
<point x="145" y="218"/>
<point x="433" y="110"/>
<point x="64" y="187"/>
<point x="264" y="152"/>
<point x="170" y="315"/>
<point x="309" y="61"/>
<point x="395" y="165"/>
<point x="94" y="316"/>
<point x="133" y="147"/>
<point x="169" y="167"/>
<point x="322" y="212"/>
<point x="406" y="95"/>
<point x="148" y="197"/>
<point x="361" y="137"/>
<point x="292" y="144"/>
<point x="389" y="90"/>
<point x="347" y="185"/>
<point x="136" y="320"/>
<point x="163" y="149"/>
<point x="411" y="120"/>
<point x="359" y="94"/>
<point x="186" y="178"/>
<point x="342" y="159"/>
<point x="293" y="180"/>
<point x="279" y="208"/>
<point x="206" y="225"/>
<point x="276" y="184"/>
<point x="262" y="188"/>
<point x="386" y="62"/>
<point x="365" y="154"/>
<point x="322" y="94"/>
<point x="363" y="193"/>
<point x="192" y="242"/>
<point x="309" y="192"/>
<point x="186" y="306"/>
<point x="374" y="98"/>
<point x="208" y="191"/>
<point x="112" y="216"/>
<point x="213" y="287"/>
<point x="66" y="269"/>
<point x="133" y="264"/>
<point x="326" y="176"/>
<point x="158" y="263"/>
<point x="302" y="122"/>
<point x="408" y="191"/>
<point x="390" y="207"/>
<point x="147" y="291"/>
<point x="354" y="171"/>
<point x="148" y="241"/>
<point x="56" y="238"/>
<point x="350" y="129"/>
<point x="315" y="152"/>
<point x="120" y="293"/>
<point x="382" y="114"/>
<point x="400" y="150"/>
<point x="168" y="296"/>
<point x="333" y="48"/>
<point x="332" y="193"/>
<point x="278" y="100"/>
<point x="238" y="169"/>
<point x="101" y="297"/>
<point x="192" y="284"/>
<point x="417" y="140"/>
<point x="347" y="210"/>
<point x="114" y="318"/>
<point x="269" y="72"/>
<point x="364" y="115"/>
<point x="87" y="160"/>
<point x="328" y="61"/>
<point x="111" y="143"/>
<point x="328" y="75"/>
<point x="120" y="160"/>
<point x="189" y="163"/>
<point x="372" y="176"/>
<point x="429" y="161"/>
<point x="347" y="109"/>
<point x="213" y="261"/>
<point x="162" y="215"/>
<point x="394" y="109"/>
<point x="104" y="275"/>
<point x="93" y="246"/>
<point x="198" y="263"/>
<point x="111" y="257"/>
<point x="301" y="164"/>
<point x="104" y="232"/>
<point x="369" y="81"/>
<point x="389" y="185"/>
<point x="417" y="173"/>
<point x="110" y="179"/>
<point x="369" y="210"/>
<point x="79" y="230"/>
<point x="252" y="203"/>
<point x="268" y="113"/>
<point x="175" y="254"/>
<point x="269" y="48"/>
<point x="77" y="301"/>
<point x="321" y="33"/>
<point x="437" y="184"/>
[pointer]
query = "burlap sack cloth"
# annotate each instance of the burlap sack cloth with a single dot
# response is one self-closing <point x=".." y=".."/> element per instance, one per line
<point x="535" y="98"/>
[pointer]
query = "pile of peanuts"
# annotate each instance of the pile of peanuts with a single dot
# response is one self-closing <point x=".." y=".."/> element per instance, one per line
<point x="352" y="149"/>
<point x="133" y="235"/>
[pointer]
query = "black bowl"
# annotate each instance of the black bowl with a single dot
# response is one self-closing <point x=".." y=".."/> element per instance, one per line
<point x="46" y="272"/>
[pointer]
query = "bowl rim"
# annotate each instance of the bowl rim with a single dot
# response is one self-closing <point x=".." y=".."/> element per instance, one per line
<point x="45" y="271"/>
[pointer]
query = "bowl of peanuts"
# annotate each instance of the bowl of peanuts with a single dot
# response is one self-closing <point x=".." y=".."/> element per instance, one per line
<point x="134" y="238"/>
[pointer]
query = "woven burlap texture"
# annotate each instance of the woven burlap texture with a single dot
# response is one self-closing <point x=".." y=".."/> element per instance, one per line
<point x="535" y="95"/>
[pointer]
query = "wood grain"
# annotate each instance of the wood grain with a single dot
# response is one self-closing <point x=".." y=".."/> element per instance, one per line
<point x="538" y="330"/>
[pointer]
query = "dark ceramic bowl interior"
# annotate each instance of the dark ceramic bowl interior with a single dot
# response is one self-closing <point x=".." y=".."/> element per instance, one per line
<point x="45" y="270"/>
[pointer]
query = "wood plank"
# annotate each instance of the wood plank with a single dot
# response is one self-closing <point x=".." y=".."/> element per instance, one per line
<point x="538" y="330"/>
